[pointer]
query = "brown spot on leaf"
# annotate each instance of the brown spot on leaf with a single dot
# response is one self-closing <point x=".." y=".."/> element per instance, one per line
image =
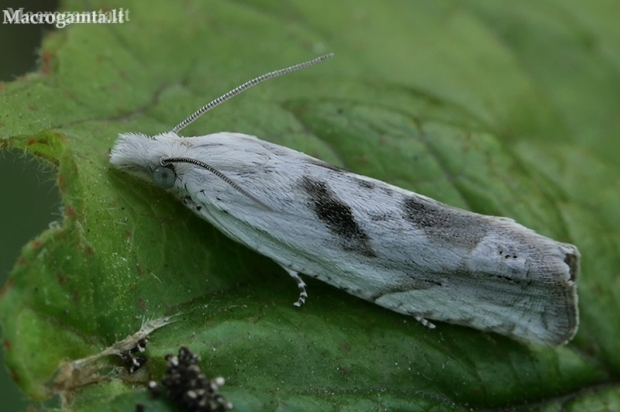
<point x="15" y="376"/>
<point x="62" y="279"/>
<point x="46" y="59"/>
<point x="6" y="287"/>
<point x="70" y="211"/>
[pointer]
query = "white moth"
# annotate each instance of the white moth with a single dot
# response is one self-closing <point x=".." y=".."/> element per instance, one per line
<point x="398" y="249"/>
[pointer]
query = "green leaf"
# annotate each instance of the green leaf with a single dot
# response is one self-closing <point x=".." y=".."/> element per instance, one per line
<point x="503" y="108"/>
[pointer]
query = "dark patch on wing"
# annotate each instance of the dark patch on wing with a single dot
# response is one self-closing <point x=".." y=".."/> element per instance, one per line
<point x="380" y="216"/>
<point x="365" y="184"/>
<point x="337" y="216"/>
<point x="388" y="192"/>
<point x="443" y="223"/>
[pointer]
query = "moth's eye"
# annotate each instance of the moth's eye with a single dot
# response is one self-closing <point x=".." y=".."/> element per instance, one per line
<point x="164" y="177"/>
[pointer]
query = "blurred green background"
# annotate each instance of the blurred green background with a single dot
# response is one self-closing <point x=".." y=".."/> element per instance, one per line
<point x="29" y="200"/>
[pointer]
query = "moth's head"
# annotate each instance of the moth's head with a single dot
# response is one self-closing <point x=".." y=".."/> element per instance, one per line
<point x="141" y="156"/>
<point x="145" y="157"/>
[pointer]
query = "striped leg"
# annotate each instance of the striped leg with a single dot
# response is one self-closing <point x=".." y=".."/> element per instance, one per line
<point x="300" y="284"/>
<point x="424" y="322"/>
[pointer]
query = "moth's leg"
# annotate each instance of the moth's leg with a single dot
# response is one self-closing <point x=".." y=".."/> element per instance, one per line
<point x="424" y="322"/>
<point x="300" y="284"/>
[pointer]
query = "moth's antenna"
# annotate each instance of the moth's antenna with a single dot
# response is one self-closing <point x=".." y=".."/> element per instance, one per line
<point x="167" y="160"/>
<point x="244" y="87"/>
